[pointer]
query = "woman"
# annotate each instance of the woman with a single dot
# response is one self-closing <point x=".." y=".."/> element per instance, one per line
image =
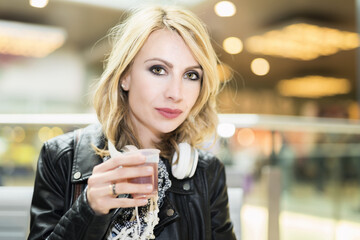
<point x="157" y="91"/>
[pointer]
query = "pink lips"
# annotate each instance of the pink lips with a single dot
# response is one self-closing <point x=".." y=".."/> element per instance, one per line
<point x="169" y="113"/>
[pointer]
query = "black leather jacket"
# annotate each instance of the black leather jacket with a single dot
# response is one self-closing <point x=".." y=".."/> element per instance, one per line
<point x="194" y="208"/>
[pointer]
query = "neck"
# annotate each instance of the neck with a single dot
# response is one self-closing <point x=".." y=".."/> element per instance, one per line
<point x="146" y="137"/>
<point x="146" y="141"/>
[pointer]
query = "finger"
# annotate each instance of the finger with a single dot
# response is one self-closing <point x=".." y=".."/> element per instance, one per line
<point x="120" y="188"/>
<point x="120" y="161"/>
<point x="119" y="174"/>
<point x="103" y="205"/>
<point x="127" y="202"/>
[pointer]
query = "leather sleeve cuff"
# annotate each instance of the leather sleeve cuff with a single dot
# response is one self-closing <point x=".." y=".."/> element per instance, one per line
<point x="97" y="224"/>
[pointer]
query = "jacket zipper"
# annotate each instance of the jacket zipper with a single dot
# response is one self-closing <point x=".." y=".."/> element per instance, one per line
<point x="185" y="206"/>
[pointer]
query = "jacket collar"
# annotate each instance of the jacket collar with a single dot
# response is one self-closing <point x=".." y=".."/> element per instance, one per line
<point x="85" y="157"/>
<point x="183" y="186"/>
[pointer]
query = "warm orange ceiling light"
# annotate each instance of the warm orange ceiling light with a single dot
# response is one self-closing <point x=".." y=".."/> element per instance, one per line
<point x="313" y="86"/>
<point x="302" y="41"/>
<point x="38" y="3"/>
<point x="30" y="40"/>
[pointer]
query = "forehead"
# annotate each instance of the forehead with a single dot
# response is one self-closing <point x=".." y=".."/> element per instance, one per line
<point x="167" y="44"/>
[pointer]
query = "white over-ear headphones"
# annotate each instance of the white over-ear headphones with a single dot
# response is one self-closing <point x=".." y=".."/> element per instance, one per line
<point x="185" y="166"/>
<point x="187" y="163"/>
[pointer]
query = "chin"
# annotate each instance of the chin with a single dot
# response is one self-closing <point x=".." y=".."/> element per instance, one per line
<point x="167" y="128"/>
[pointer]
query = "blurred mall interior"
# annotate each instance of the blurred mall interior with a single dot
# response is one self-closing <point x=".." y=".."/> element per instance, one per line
<point x="289" y="107"/>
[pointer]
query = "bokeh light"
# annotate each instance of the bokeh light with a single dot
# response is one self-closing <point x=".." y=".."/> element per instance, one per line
<point x="18" y="134"/>
<point x="46" y="133"/>
<point x="245" y="137"/>
<point x="226" y="130"/>
<point x="225" y="9"/>
<point x="233" y="45"/>
<point x="260" y="66"/>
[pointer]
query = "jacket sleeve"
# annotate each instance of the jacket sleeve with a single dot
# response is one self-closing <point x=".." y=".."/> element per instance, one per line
<point x="221" y="225"/>
<point x="49" y="217"/>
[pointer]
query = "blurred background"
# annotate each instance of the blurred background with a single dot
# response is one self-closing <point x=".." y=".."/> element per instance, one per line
<point x="289" y="108"/>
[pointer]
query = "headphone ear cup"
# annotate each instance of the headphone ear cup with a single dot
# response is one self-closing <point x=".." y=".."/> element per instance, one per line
<point x="186" y="165"/>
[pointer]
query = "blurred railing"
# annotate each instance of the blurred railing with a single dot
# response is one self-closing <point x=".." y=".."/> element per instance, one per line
<point x="300" y="176"/>
<point x="292" y="123"/>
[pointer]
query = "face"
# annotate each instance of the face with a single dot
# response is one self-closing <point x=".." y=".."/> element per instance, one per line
<point x="163" y="85"/>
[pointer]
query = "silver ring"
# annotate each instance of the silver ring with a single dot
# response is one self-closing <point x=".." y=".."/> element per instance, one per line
<point x="113" y="189"/>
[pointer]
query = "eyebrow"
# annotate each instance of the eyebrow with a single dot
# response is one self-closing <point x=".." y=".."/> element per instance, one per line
<point x="170" y="65"/>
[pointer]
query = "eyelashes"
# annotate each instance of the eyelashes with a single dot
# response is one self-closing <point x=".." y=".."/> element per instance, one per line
<point x="159" y="70"/>
<point x="192" y="76"/>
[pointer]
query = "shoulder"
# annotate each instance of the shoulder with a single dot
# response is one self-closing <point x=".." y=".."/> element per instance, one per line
<point x="212" y="169"/>
<point x="58" y="146"/>
<point x="209" y="161"/>
<point x="62" y="144"/>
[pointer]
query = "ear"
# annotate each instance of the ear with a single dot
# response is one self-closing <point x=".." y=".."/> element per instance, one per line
<point x="125" y="82"/>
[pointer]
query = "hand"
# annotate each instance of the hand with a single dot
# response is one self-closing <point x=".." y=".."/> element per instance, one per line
<point x="118" y="170"/>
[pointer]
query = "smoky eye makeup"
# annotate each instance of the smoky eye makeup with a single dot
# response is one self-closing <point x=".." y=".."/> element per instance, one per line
<point x="157" y="70"/>
<point x="192" y="75"/>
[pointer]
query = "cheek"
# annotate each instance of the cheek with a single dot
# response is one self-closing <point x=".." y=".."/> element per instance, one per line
<point x="193" y="94"/>
<point x="143" y="91"/>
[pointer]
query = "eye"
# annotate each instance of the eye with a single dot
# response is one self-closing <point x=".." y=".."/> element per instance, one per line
<point x="192" y="76"/>
<point x="158" y="70"/>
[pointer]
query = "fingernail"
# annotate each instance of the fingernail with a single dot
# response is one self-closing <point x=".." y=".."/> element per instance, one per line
<point x="149" y="169"/>
<point x="143" y="201"/>
<point x="149" y="187"/>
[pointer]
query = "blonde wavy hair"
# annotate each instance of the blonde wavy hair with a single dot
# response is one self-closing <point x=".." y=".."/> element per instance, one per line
<point x="111" y="102"/>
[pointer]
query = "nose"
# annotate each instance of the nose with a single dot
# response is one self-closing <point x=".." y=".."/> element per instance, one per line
<point x="174" y="89"/>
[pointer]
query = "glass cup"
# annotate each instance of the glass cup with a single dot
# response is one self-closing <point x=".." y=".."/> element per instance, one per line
<point x="152" y="159"/>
